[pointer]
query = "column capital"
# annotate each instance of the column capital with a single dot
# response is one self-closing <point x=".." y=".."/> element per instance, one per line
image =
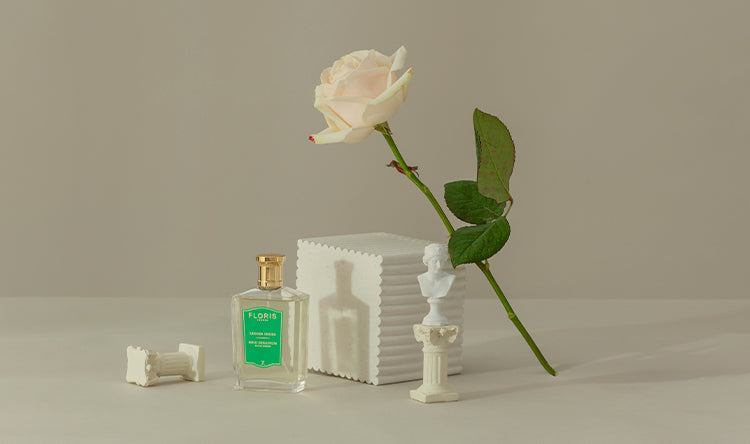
<point x="436" y="335"/>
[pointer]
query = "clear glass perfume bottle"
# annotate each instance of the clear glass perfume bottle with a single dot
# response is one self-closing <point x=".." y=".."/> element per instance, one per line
<point x="269" y="332"/>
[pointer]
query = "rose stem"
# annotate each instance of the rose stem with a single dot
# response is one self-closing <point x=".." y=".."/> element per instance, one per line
<point x="385" y="130"/>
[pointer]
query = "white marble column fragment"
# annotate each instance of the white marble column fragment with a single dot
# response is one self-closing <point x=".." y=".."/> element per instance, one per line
<point x="145" y="366"/>
<point x="436" y="340"/>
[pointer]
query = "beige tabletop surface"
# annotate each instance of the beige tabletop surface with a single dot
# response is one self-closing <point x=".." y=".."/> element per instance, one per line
<point x="630" y="371"/>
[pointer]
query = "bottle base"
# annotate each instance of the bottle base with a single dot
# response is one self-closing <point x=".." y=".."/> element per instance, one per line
<point x="265" y="385"/>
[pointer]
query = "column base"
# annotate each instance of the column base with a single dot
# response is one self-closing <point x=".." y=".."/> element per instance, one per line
<point x="427" y="396"/>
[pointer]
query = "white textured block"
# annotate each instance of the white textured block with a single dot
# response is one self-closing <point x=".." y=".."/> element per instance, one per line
<point x="364" y="302"/>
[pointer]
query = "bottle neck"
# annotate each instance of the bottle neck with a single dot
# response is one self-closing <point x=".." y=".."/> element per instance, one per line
<point x="267" y="288"/>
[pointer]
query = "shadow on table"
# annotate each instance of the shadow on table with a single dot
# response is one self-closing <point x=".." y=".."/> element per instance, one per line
<point x="698" y="347"/>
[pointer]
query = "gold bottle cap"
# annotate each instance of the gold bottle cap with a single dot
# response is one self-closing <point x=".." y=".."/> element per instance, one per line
<point x="270" y="270"/>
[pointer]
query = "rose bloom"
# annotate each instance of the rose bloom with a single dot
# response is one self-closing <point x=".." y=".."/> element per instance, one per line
<point x="359" y="91"/>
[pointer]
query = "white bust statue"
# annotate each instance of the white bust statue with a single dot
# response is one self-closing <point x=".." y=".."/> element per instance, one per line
<point x="436" y="282"/>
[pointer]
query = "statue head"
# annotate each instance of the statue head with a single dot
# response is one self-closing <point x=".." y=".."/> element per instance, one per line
<point x="436" y="257"/>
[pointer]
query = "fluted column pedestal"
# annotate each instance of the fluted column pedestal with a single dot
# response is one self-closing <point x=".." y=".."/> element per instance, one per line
<point x="436" y="340"/>
<point x="145" y="366"/>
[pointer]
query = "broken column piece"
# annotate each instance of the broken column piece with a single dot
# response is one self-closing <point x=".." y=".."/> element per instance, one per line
<point x="145" y="366"/>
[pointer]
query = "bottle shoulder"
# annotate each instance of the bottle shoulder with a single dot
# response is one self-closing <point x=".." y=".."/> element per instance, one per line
<point x="281" y="293"/>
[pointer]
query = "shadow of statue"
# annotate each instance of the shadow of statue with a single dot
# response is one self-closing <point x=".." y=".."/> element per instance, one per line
<point x="345" y="328"/>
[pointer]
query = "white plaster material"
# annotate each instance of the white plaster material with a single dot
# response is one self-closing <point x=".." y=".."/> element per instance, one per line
<point x="364" y="301"/>
<point x="436" y="283"/>
<point x="436" y="340"/>
<point x="145" y="366"/>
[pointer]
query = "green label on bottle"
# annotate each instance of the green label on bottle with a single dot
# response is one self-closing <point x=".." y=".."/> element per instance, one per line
<point x="262" y="333"/>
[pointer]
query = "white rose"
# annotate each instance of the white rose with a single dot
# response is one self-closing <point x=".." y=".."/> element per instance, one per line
<point x="359" y="91"/>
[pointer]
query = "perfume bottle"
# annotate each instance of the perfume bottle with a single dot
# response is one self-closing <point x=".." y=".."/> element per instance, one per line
<point x="269" y="332"/>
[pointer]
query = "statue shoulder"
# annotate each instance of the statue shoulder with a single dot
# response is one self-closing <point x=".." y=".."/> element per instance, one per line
<point x="448" y="277"/>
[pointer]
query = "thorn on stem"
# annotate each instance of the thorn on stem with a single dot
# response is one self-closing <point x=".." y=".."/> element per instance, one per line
<point x="395" y="164"/>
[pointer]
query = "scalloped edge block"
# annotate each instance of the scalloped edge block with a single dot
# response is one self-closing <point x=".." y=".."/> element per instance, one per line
<point x="364" y="302"/>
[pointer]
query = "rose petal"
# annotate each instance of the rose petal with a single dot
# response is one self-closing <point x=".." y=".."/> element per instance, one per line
<point x="334" y="121"/>
<point x="359" y="55"/>
<point x="370" y="61"/>
<point x="367" y="83"/>
<point x="325" y="76"/>
<point x="348" y="109"/>
<point x="349" y="135"/>
<point x="387" y="104"/>
<point x="325" y="90"/>
<point x="345" y="65"/>
<point x="384" y="60"/>
<point x="398" y="61"/>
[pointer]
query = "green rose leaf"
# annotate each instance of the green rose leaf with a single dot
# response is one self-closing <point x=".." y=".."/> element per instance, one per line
<point x="467" y="204"/>
<point x="478" y="242"/>
<point x="496" y="155"/>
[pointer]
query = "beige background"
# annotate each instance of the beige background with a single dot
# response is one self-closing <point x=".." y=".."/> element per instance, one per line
<point x="153" y="148"/>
